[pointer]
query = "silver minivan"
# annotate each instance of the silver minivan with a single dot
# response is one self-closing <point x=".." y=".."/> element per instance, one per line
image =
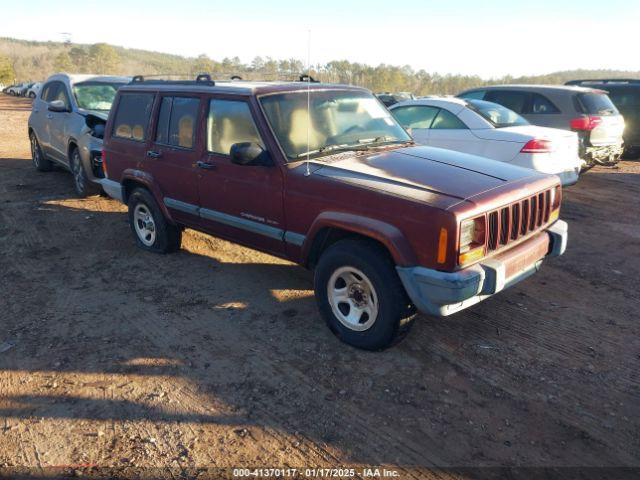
<point x="67" y="122"/>
<point x="587" y="111"/>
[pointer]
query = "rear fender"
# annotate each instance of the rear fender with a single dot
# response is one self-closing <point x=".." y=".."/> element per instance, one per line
<point x="144" y="179"/>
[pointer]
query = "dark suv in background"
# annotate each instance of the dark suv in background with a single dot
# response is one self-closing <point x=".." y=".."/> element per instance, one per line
<point x="625" y="95"/>
<point x="587" y="111"/>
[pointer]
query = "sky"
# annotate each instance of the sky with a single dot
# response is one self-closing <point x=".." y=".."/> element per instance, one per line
<point x="490" y="38"/>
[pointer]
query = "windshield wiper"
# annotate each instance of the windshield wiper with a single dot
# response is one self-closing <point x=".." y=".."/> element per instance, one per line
<point x="333" y="148"/>
<point x="382" y="140"/>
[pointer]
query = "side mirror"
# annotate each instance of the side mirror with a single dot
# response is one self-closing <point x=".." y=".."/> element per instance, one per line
<point x="57" y="106"/>
<point x="249" y="153"/>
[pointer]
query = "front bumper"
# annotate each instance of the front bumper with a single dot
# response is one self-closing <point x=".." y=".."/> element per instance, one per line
<point x="569" y="177"/>
<point x="111" y="188"/>
<point x="443" y="293"/>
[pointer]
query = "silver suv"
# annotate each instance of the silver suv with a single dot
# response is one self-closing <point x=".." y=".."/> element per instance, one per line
<point x="587" y="111"/>
<point x="66" y="126"/>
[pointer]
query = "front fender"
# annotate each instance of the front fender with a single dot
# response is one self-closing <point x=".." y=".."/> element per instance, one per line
<point x="389" y="235"/>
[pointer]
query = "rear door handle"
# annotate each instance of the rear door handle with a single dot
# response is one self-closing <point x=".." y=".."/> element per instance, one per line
<point x="153" y="154"/>
<point x="205" y="165"/>
<point x="49" y="116"/>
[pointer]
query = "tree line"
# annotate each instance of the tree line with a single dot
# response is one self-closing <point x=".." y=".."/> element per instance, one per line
<point x="22" y="60"/>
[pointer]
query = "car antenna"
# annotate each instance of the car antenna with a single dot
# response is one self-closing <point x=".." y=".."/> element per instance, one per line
<point x="308" y="171"/>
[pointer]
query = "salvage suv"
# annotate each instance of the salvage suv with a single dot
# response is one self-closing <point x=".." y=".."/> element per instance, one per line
<point x="66" y="126"/>
<point x="324" y="176"/>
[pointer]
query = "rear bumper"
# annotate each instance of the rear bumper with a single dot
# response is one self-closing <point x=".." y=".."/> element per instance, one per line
<point x="443" y="293"/>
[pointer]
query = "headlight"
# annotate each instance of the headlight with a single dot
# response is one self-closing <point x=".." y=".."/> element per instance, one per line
<point x="472" y="236"/>
<point x="471" y="233"/>
<point x="555" y="197"/>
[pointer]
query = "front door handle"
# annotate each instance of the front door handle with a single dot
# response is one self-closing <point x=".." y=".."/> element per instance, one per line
<point x="49" y="116"/>
<point x="205" y="165"/>
<point x="153" y="154"/>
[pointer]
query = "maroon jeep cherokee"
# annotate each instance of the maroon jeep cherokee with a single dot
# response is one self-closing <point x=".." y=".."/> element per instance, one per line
<point x="323" y="175"/>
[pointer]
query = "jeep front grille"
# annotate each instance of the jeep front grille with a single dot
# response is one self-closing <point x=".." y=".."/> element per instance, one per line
<point x="517" y="220"/>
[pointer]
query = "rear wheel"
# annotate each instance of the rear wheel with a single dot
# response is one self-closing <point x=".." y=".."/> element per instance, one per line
<point x="41" y="163"/>
<point x="84" y="187"/>
<point x="32" y="95"/>
<point x="631" y="153"/>
<point x="360" y="295"/>
<point x="150" y="228"/>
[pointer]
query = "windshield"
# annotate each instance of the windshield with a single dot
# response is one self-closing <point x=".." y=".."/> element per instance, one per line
<point x="597" y="104"/>
<point x="337" y="120"/>
<point x="95" y="95"/>
<point x="497" y="115"/>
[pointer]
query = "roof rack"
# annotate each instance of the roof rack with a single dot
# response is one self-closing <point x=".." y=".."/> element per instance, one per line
<point x="201" y="79"/>
<point x="307" y="78"/>
<point x="603" y="81"/>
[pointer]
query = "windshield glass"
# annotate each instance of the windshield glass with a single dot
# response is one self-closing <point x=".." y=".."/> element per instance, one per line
<point x="95" y="95"/>
<point x="336" y="120"/>
<point x="597" y="104"/>
<point x="497" y="115"/>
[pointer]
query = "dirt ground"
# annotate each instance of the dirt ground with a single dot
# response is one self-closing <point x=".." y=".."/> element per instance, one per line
<point x="141" y="365"/>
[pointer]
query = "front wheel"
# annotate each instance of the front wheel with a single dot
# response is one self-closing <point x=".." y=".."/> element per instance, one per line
<point x="84" y="187"/>
<point x="360" y="295"/>
<point x="150" y="228"/>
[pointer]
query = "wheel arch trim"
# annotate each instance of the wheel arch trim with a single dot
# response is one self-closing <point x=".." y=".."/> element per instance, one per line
<point x="388" y="235"/>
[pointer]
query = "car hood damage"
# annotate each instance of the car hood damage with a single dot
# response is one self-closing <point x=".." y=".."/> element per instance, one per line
<point x="435" y="176"/>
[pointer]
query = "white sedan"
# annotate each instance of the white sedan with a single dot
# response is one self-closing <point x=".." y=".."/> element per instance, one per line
<point x="490" y="130"/>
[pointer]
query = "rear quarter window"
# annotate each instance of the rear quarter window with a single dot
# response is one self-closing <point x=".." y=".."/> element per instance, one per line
<point x="596" y="104"/>
<point x="415" y="116"/>
<point x="132" y="116"/>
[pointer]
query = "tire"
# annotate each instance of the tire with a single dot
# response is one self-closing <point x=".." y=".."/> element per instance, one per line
<point x="32" y="95"/>
<point x="150" y="228"/>
<point x="83" y="186"/>
<point x="41" y="162"/>
<point x="631" y="153"/>
<point x="360" y="295"/>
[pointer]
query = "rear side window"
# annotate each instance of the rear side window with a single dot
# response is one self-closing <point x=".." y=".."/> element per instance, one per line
<point x="596" y="104"/>
<point x="515" y="101"/>
<point x="177" y="121"/>
<point x="132" y="116"/>
<point x="541" y="105"/>
<point x="229" y="122"/>
<point x="446" y="120"/>
<point x="416" y="116"/>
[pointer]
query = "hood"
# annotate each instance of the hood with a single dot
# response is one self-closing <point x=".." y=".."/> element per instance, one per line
<point x="442" y="178"/>
<point x="524" y="133"/>
<point x="96" y="113"/>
